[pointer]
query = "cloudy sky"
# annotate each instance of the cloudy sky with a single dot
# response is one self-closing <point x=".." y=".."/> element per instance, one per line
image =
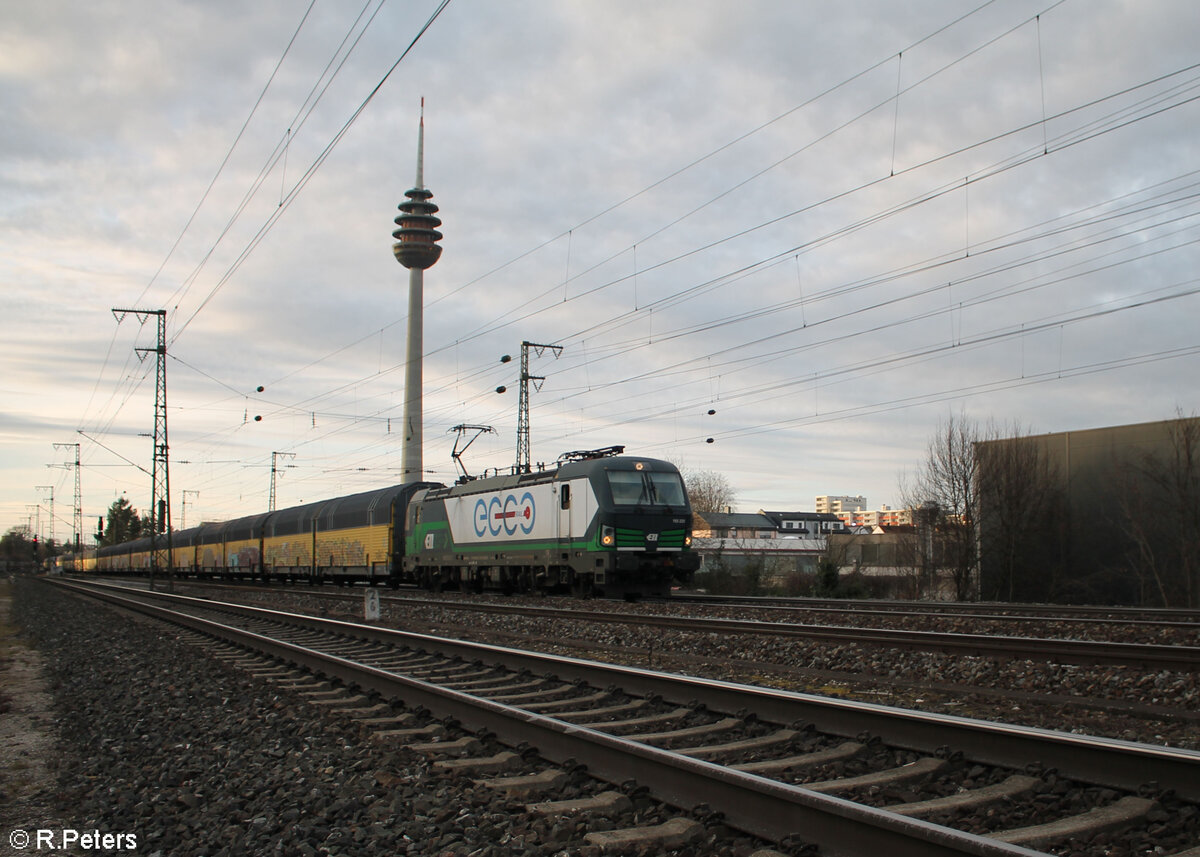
<point x="832" y="224"/>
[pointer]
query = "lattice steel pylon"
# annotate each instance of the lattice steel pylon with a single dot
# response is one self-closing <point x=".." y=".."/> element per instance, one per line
<point x="523" y="452"/>
<point x="160" y="503"/>
<point x="49" y="488"/>
<point x="274" y="470"/>
<point x="78" y="522"/>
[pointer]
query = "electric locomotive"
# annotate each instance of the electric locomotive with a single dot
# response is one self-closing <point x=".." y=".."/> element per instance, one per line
<point x="600" y="523"/>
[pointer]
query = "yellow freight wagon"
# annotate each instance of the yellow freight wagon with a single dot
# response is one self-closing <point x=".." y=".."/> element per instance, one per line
<point x="288" y="539"/>
<point x="346" y="539"/>
<point x="183" y="552"/>
<point x="354" y="535"/>
<point x="243" y="552"/>
<point x="138" y="558"/>
<point x="210" y="549"/>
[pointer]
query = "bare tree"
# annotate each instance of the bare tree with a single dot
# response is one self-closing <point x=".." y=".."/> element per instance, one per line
<point x="708" y="490"/>
<point x="948" y="483"/>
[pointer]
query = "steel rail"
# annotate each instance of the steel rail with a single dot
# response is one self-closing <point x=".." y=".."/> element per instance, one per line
<point x="1083" y="652"/>
<point x="956" y="611"/>
<point x="988" y="609"/>
<point x="875" y="608"/>
<point x="1029" y="610"/>
<point x="759" y="806"/>
<point x="1104" y="761"/>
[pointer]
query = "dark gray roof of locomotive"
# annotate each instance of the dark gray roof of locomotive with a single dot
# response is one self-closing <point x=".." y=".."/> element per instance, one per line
<point x="567" y="470"/>
<point x="615" y="462"/>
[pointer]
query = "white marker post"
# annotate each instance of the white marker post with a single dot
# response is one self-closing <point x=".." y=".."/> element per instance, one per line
<point x="371" y="605"/>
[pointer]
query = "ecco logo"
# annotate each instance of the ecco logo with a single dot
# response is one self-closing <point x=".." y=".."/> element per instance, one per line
<point x="507" y="515"/>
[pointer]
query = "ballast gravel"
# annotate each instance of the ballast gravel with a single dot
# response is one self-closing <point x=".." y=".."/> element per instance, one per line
<point x="192" y="757"/>
<point x="1155" y="707"/>
<point x="1021" y="691"/>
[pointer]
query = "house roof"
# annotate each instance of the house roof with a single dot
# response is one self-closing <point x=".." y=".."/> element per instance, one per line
<point x="800" y="516"/>
<point x="895" y="528"/>
<point x="722" y="520"/>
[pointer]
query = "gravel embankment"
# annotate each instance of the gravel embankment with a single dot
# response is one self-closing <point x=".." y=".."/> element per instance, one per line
<point x="194" y="758"/>
<point x="1165" y="687"/>
<point x="1120" y="702"/>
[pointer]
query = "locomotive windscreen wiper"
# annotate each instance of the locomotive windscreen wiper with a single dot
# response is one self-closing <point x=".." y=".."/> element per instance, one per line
<point x="650" y="484"/>
<point x="648" y="490"/>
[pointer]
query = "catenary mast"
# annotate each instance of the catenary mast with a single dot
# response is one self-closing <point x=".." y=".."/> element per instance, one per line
<point x="416" y="248"/>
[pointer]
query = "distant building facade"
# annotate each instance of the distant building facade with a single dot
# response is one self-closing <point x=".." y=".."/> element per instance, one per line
<point x="831" y="505"/>
<point x="885" y="516"/>
<point x="854" y="512"/>
<point x="766" y="525"/>
<point x="773" y="544"/>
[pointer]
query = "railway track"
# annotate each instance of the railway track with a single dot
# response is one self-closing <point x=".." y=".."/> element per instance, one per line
<point x="1168" y="616"/>
<point x="1150" y="656"/>
<point x="851" y="778"/>
<point x="1167" y="626"/>
<point x="1059" y="650"/>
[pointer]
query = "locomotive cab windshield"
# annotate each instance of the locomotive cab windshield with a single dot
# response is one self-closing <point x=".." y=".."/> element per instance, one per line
<point x="642" y="488"/>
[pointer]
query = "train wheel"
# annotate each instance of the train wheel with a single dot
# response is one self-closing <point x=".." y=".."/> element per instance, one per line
<point x="583" y="587"/>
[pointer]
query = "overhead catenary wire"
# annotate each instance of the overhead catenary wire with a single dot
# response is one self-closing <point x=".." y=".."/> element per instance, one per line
<point x="1066" y="140"/>
<point x="228" y="155"/>
<point x="598" y="351"/>
<point x="663" y="180"/>
<point x="307" y="175"/>
<point x="101" y="428"/>
<point x="320" y="86"/>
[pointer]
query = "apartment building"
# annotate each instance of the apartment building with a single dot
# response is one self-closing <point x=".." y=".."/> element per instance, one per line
<point x="830" y="505"/>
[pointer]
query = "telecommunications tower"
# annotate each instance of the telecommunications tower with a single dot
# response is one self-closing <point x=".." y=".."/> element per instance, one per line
<point x="416" y="248"/>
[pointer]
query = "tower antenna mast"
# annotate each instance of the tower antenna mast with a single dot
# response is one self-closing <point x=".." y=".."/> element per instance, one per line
<point x="416" y="248"/>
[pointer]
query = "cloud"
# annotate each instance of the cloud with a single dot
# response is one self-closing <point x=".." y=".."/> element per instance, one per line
<point x="696" y="200"/>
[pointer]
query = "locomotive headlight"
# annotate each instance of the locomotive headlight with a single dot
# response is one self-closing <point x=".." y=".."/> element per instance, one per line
<point x="608" y="536"/>
<point x="687" y="540"/>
